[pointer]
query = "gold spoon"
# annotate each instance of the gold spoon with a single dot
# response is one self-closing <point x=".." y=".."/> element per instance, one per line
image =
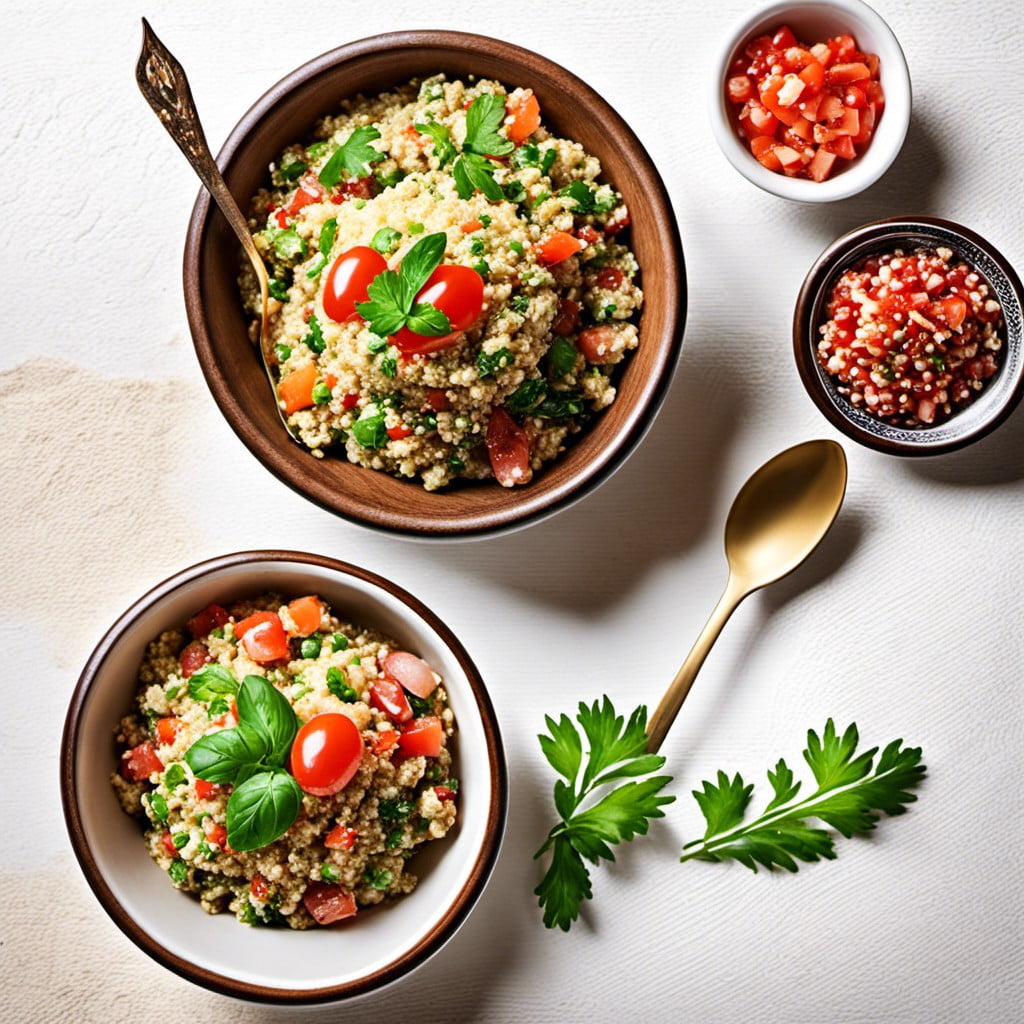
<point x="162" y="81"/>
<point x="776" y="521"/>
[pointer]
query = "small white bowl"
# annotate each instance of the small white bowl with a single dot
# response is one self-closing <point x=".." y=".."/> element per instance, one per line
<point x="278" y="965"/>
<point x="811" y="22"/>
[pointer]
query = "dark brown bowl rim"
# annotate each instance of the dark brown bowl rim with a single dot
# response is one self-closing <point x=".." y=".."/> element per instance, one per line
<point x="445" y="927"/>
<point x="521" y="510"/>
<point x="818" y="278"/>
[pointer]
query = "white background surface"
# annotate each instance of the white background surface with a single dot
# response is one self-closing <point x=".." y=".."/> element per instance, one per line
<point x="118" y="470"/>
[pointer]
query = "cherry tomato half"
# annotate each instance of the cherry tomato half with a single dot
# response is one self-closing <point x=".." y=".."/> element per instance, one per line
<point x="348" y="279"/>
<point x="326" y="754"/>
<point x="459" y="293"/>
<point x="412" y="672"/>
<point x="387" y="696"/>
<point x="508" y="449"/>
<point x="263" y="637"/>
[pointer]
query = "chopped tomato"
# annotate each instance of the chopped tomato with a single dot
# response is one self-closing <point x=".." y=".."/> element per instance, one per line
<point x="617" y="222"/>
<point x="421" y="736"/>
<point x="841" y="145"/>
<point x="306" y="613"/>
<point x="350" y="401"/>
<point x="954" y="310"/>
<point x="470" y="226"/>
<point x="309" y="191"/>
<point x="210" y="618"/>
<point x="326" y="754"/>
<point x="205" y="790"/>
<point x="397" y="433"/>
<point x="195" y="655"/>
<point x="263" y="637"/>
<point x="740" y="88"/>
<point x="597" y="343"/>
<point x="259" y="888"/>
<point x="444" y="793"/>
<point x="341" y="837"/>
<point x="508" y="450"/>
<point x="459" y="293"/>
<point x="360" y="188"/>
<point x="348" y="280"/>
<point x="168" y="840"/>
<point x="167" y="730"/>
<point x="216" y="834"/>
<point x="295" y="390"/>
<point x="588" y="234"/>
<point x="763" y="147"/>
<point x="557" y="247"/>
<point x="382" y="742"/>
<point x="328" y="903"/>
<point x="524" y="114"/>
<point x="567" y="318"/>
<point x="821" y="165"/>
<point x="387" y="696"/>
<point x="438" y="400"/>
<point x="413" y="673"/>
<point x="140" y="763"/>
<point x="609" y="277"/>
<point x="844" y="74"/>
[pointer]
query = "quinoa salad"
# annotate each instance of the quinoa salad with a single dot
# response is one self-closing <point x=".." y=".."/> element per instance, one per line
<point x="450" y="291"/>
<point x="286" y="765"/>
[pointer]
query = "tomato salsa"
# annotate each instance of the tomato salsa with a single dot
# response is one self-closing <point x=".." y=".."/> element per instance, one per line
<point x="911" y="337"/>
<point x="805" y="109"/>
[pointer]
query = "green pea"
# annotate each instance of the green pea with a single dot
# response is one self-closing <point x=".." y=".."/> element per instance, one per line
<point x="310" y="647"/>
<point x="321" y="393"/>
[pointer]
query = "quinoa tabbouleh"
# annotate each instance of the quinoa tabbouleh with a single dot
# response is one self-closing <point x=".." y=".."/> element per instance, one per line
<point x="286" y="765"/>
<point x="449" y="292"/>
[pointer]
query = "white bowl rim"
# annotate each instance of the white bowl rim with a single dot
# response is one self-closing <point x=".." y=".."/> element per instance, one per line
<point x="445" y="927"/>
<point x="887" y="141"/>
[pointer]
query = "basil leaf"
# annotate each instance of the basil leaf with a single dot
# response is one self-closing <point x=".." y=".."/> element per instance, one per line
<point x="428" y="320"/>
<point x="444" y="149"/>
<point x="562" y="357"/>
<point x="291" y="166"/>
<point x="265" y="709"/>
<point x="262" y="809"/>
<point x="484" y="118"/>
<point x="353" y="157"/>
<point x="489" y="363"/>
<point x="220" y="757"/>
<point x="419" y="263"/>
<point x="290" y="245"/>
<point x="528" y="395"/>
<point x="369" y="430"/>
<point x="210" y="681"/>
<point x="560" y="405"/>
<point x="327" y="235"/>
<point x="385" y="241"/>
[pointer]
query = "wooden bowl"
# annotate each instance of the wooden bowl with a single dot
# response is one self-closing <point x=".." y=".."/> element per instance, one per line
<point x="287" y="112"/>
<point x="996" y="400"/>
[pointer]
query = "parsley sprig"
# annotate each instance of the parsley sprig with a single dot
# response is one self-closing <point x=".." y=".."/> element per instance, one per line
<point x="851" y="791"/>
<point x="616" y="750"/>
<point x="353" y="157"/>
<point x="392" y="293"/>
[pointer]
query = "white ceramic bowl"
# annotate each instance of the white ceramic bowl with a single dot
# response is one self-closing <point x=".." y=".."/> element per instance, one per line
<point x="813" y="21"/>
<point x="266" y="964"/>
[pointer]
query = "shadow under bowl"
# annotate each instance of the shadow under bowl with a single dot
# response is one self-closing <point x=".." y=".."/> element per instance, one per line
<point x="1001" y="393"/>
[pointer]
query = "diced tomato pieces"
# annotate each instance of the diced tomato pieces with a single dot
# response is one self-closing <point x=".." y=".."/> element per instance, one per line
<point x="867" y="126"/>
<point x="617" y="222"/>
<point x="216" y="834"/>
<point x="140" y="763"/>
<point x="295" y="390"/>
<point x="783" y="38"/>
<point x="397" y="433"/>
<point x="843" y="47"/>
<point x="167" y="730"/>
<point x="309" y="191"/>
<point x="801" y="132"/>
<point x="210" y="618"/>
<point x="258" y="888"/>
<point x="557" y="247"/>
<point x="821" y="165"/>
<point x="470" y="226"/>
<point x="609" y="277"/>
<point x="438" y="400"/>
<point x="524" y="112"/>
<point x="588" y="234"/>
<point x="307" y="614"/>
<point x="360" y="188"/>
<point x="763" y="147"/>
<point x="856" y="97"/>
<point x="168" y="840"/>
<point x="444" y="793"/>
<point x="341" y="837"/>
<point x="841" y="145"/>
<point x="598" y="344"/>
<point x="382" y="742"/>
<point x="421" y="736"/>
<point x="822" y="53"/>
<point x="813" y="76"/>
<point x="954" y="310"/>
<point x="387" y="696"/>
<point x="508" y="449"/>
<point x="195" y="655"/>
<point x="350" y="401"/>
<point x="205" y="790"/>
<point x="741" y="88"/>
<point x="412" y="673"/>
<point x="263" y="637"/>
<point x="788" y="157"/>
<point x="844" y="74"/>
<point x="281" y="216"/>
<point x="567" y="318"/>
<point x="328" y="903"/>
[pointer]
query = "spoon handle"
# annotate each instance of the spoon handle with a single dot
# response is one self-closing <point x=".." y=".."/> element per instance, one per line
<point x="665" y="713"/>
<point x="163" y="82"/>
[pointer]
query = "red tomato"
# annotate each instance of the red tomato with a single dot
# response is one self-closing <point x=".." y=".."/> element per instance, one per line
<point x="525" y="114"/>
<point x="617" y="222"/>
<point x="341" y="838"/>
<point x="397" y="433"/>
<point x="326" y="754"/>
<point x="382" y="742"/>
<point x="306" y="613"/>
<point x="596" y="343"/>
<point x="310" y="191"/>
<point x="508" y="449"/>
<point x="140" y="762"/>
<point x="411" y="672"/>
<point x="259" y="888"/>
<point x="205" y="790"/>
<point x="740" y="88"/>
<point x="421" y="736"/>
<point x="348" y="279"/>
<point x="263" y="637"/>
<point x="609" y="277"/>
<point x="459" y="293"/>
<point x="588" y="234"/>
<point x="350" y="401"/>
<point x="167" y="730"/>
<point x="328" y="903"/>
<point x="557" y="247"/>
<point x="444" y="793"/>
<point x="567" y="319"/>
<point x="387" y="696"/>
<point x="438" y="400"/>
<point x="168" y="840"/>
<point x="954" y="310"/>
<point x="194" y="657"/>
<point x="470" y="226"/>
<point x="216" y="834"/>
<point x="210" y="618"/>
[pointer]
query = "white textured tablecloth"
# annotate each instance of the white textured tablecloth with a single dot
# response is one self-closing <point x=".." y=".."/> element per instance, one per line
<point x="117" y="470"/>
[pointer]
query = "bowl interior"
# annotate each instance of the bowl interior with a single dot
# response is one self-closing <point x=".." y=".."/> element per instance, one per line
<point x="287" y="113"/>
<point x="380" y="943"/>
<point x="1000" y="393"/>
<point x="811" y="22"/>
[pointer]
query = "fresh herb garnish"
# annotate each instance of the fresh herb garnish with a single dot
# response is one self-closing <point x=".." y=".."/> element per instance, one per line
<point x="217" y="707"/>
<point x="531" y="155"/>
<point x="327" y="235"/>
<point x="158" y="805"/>
<point x="278" y="289"/>
<point x="420" y="705"/>
<point x="329" y="873"/>
<point x="180" y="840"/>
<point x="178" y="871"/>
<point x="472" y="170"/>
<point x="392" y="293"/>
<point x="851" y="790"/>
<point x="290" y="245"/>
<point x="212" y="680"/>
<point x="587" y="199"/>
<point x="338" y="685"/>
<point x="562" y="357"/>
<point x="389" y="364"/>
<point x="391" y="178"/>
<point x="377" y="878"/>
<point x="174" y="776"/>
<point x="282" y="353"/>
<point x="386" y="240"/>
<point x="537" y="399"/>
<point x="265" y="799"/>
<point x="527" y="396"/>
<point x="615" y="750"/>
<point x="369" y="429"/>
<point x="353" y="157"/>
<point x="394" y="810"/>
<point x="314" y="340"/>
<point x="291" y="167"/>
<point x="489" y="363"/>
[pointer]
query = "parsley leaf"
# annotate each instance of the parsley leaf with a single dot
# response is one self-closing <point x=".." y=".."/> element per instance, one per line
<point x="444" y="148"/>
<point x="352" y="158"/>
<point x="852" y="789"/>
<point x="616" y="749"/>
<point x="483" y="119"/>
<point x="392" y="293"/>
<point x="472" y="172"/>
<point x="489" y="363"/>
<point x="386" y="240"/>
